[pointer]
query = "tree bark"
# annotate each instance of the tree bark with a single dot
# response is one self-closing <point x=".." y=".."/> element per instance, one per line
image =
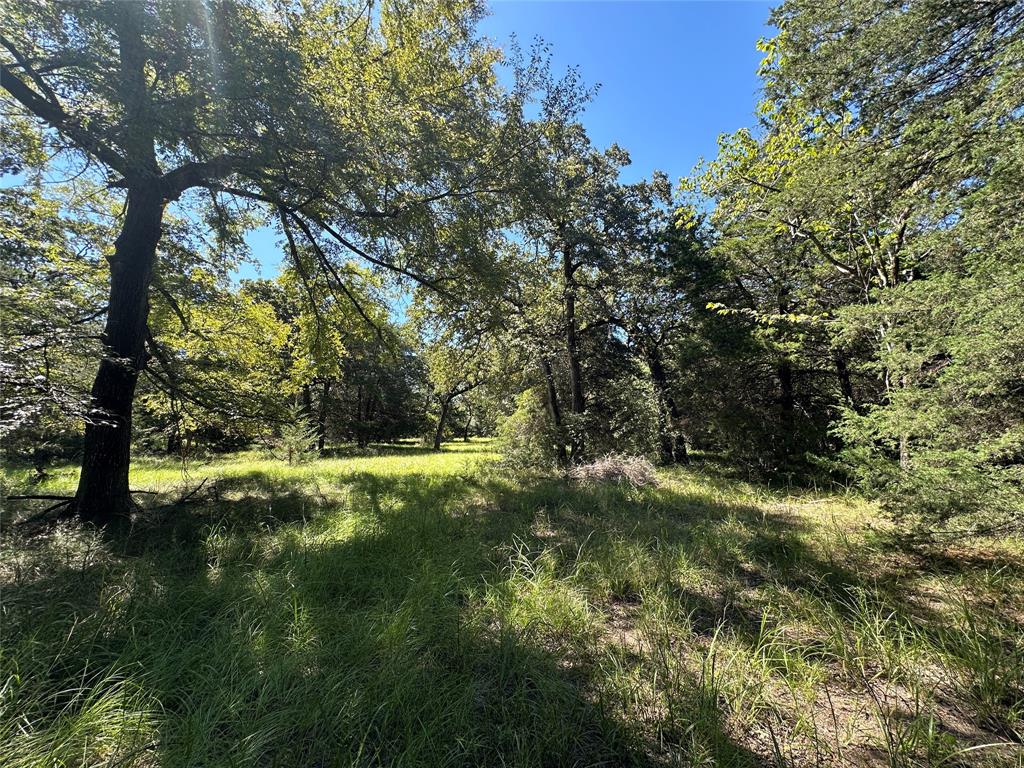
<point x="577" y="403"/>
<point x="555" y="411"/>
<point x="439" y="432"/>
<point x="672" y="444"/>
<point x="102" y="495"/>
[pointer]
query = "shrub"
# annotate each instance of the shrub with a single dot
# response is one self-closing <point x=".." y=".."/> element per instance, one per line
<point x="622" y="417"/>
<point x="526" y="438"/>
<point x="298" y="436"/>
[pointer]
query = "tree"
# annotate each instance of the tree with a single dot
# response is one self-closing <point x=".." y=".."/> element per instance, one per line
<point x="653" y="305"/>
<point x="579" y="221"/>
<point x="51" y="302"/>
<point x="947" y="110"/>
<point x="356" y="127"/>
<point x="382" y="393"/>
<point x="215" y="365"/>
<point x="297" y="434"/>
<point x="459" y="360"/>
<point x="892" y="63"/>
<point x="873" y="226"/>
<point x="795" y="249"/>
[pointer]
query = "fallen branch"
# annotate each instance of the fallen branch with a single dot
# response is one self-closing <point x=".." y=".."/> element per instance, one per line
<point x="192" y="493"/>
<point x="184" y="499"/>
<point x="40" y="515"/>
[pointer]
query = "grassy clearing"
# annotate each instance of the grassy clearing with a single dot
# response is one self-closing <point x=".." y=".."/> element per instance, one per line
<point x="414" y="608"/>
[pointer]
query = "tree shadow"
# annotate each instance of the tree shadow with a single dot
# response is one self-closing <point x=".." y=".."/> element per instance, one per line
<point x="358" y="620"/>
<point x="275" y="625"/>
<point x="402" y="448"/>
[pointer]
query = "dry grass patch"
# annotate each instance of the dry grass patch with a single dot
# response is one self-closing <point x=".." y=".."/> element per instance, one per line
<point x="635" y="471"/>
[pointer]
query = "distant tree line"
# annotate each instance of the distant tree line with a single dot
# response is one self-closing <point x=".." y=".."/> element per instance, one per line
<point x="837" y="294"/>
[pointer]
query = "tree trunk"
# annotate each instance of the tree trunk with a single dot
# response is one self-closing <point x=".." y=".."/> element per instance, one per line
<point x="555" y="411"/>
<point x="469" y="422"/>
<point x="577" y="403"/>
<point x="439" y="432"/>
<point x="321" y="420"/>
<point x="103" y="494"/>
<point x="673" y="444"/>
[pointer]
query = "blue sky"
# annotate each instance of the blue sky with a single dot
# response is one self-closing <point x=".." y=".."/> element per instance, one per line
<point x="672" y="75"/>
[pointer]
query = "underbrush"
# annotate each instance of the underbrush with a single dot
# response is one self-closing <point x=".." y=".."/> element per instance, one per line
<point x="425" y="609"/>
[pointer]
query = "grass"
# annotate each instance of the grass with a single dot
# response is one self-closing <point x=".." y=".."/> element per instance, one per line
<point x="421" y="609"/>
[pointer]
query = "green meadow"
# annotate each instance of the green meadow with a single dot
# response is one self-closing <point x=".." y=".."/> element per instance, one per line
<point x="399" y="606"/>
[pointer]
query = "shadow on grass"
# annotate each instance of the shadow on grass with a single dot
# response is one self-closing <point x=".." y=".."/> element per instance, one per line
<point x="403" y="448"/>
<point x="359" y="622"/>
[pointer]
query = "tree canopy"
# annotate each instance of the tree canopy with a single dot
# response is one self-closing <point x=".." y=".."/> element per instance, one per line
<point x="834" y="296"/>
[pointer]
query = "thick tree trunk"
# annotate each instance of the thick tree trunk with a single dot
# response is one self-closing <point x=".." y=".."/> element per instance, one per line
<point x="439" y="432"/>
<point x="103" y="494"/>
<point x="577" y="403"/>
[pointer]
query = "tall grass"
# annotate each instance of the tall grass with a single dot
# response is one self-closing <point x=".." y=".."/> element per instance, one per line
<point x="420" y="608"/>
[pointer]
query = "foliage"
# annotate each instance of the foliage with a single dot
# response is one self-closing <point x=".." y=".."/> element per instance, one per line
<point x="840" y="289"/>
<point x="874" y="235"/>
<point x="297" y="436"/>
<point x="623" y="413"/>
<point x="216" y="368"/>
<point x="526" y="437"/>
<point x="51" y="275"/>
<point x="834" y="296"/>
<point x="360" y="131"/>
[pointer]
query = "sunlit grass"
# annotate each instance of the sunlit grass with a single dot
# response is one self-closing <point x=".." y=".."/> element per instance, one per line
<point x="421" y="608"/>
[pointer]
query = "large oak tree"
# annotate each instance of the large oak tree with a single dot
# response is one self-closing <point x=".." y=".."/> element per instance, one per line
<point x="360" y="128"/>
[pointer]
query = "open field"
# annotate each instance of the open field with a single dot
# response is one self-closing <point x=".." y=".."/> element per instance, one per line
<point x="414" y="608"/>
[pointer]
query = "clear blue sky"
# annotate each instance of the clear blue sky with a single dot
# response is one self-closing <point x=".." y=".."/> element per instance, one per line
<point x="672" y="75"/>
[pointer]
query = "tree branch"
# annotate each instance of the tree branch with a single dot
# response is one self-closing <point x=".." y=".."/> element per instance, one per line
<point x="322" y="224"/>
<point x="54" y="115"/>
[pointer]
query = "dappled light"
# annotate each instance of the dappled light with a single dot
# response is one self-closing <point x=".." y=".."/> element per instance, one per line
<point x="436" y="611"/>
<point x="378" y="389"/>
